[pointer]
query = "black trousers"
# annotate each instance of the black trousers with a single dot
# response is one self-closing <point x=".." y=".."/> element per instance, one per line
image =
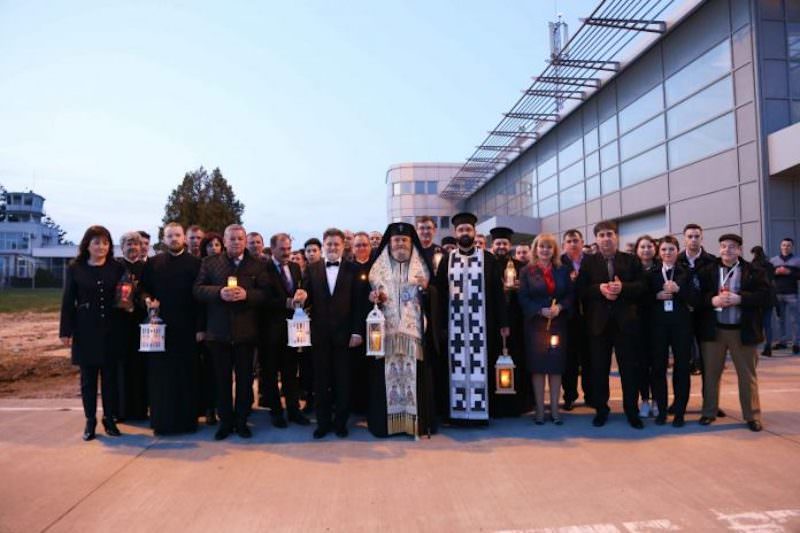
<point x="577" y="362"/>
<point x="331" y="378"/>
<point x="108" y="386"/>
<point x="624" y="346"/>
<point x="207" y="395"/>
<point x="679" y="336"/>
<point x="228" y="358"/>
<point x="280" y="360"/>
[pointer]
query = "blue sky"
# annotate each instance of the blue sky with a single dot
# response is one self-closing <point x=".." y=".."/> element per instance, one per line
<point x="303" y="105"/>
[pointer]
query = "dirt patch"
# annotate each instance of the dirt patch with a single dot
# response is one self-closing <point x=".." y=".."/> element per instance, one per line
<point x="33" y="362"/>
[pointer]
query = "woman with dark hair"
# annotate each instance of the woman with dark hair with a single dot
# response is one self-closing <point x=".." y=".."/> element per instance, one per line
<point x="88" y="318"/>
<point x="672" y="295"/>
<point x="211" y="244"/>
<point x="645" y="250"/>
<point x="761" y="260"/>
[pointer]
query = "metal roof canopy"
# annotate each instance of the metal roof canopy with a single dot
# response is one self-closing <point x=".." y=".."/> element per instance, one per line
<point x="595" y="48"/>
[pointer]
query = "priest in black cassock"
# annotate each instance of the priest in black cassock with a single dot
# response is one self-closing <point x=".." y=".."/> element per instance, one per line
<point x="132" y="374"/>
<point x="167" y="282"/>
<point x="510" y="268"/>
<point x="401" y="381"/>
<point x="474" y="311"/>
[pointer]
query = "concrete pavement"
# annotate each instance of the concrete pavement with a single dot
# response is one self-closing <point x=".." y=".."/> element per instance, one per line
<point x="511" y="476"/>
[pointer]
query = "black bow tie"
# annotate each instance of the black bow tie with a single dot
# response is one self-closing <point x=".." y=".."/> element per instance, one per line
<point x="331" y="264"/>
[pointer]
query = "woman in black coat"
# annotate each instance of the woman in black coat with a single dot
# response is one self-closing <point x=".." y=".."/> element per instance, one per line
<point x="672" y="295"/>
<point x="88" y="319"/>
<point x="546" y="295"/>
<point x="645" y="249"/>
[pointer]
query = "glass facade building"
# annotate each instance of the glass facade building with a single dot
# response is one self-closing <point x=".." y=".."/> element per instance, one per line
<point x="679" y="135"/>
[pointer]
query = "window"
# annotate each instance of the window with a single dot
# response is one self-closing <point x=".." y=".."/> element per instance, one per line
<point x="608" y="130"/>
<point x="547" y="168"/>
<point x="643" y="137"/>
<point x="645" y="107"/>
<point x="548" y="206"/>
<point x="609" y="156"/>
<point x="402" y="187"/>
<point x="572" y="196"/>
<point x="644" y="166"/>
<point x="593" y="187"/>
<point x="29" y="200"/>
<point x="570" y="153"/>
<point x="700" y="72"/>
<point x="548" y="187"/>
<point x="590" y="141"/>
<point x="707" y="103"/>
<point x="419" y="187"/>
<point x="570" y="176"/>
<point x="444" y="222"/>
<point x="592" y="163"/>
<point x="433" y="187"/>
<point x="610" y="180"/>
<point x="711" y="138"/>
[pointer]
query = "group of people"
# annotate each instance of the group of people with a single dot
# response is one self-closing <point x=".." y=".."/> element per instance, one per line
<point x="450" y="311"/>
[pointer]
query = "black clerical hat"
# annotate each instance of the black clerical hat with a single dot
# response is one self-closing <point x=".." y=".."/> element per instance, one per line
<point x="502" y="233"/>
<point x="449" y="240"/>
<point x="731" y="237"/>
<point x="399" y="228"/>
<point x="463" y="218"/>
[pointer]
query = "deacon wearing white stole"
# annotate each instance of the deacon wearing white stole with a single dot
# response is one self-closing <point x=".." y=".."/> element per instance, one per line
<point x="469" y="281"/>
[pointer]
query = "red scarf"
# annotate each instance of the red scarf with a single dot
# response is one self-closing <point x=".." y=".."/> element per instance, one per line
<point x="549" y="280"/>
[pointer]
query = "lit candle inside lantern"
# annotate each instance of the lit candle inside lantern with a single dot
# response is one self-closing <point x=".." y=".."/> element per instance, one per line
<point x="505" y="378"/>
<point x="232" y="282"/>
<point x="554" y="340"/>
<point x="375" y="341"/>
<point x="510" y="274"/>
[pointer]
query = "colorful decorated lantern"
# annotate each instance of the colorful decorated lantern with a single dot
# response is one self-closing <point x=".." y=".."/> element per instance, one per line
<point x="153" y="333"/>
<point x="376" y="332"/>
<point x="299" y="329"/>
<point x="510" y="275"/>
<point x="504" y="373"/>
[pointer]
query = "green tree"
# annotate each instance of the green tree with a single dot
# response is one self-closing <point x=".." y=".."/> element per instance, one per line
<point x="204" y="199"/>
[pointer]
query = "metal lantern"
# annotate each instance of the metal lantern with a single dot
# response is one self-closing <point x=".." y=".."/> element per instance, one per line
<point x="504" y="373"/>
<point x="437" y="258"/>
<point x="299" y="329"/>
<point x="510" y="275"/>
<point x="376" y="332"/>
<point x="153" y="333"/>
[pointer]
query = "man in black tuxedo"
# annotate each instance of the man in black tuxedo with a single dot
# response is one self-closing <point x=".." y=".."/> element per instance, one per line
<point x="286" y="281"/>
<point x="330" y="295"/>
<point x="233" y="286"/>
<point x="611" y="283"/>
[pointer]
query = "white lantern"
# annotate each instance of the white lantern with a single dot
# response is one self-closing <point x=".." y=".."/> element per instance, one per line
<point x="504" y="373"/>
<point x="299" y="329"/>
<point x="376" y="332"/>
<point x="153" y="334"/>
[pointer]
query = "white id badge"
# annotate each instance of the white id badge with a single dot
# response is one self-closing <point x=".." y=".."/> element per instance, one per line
<point x="667" y="306"/>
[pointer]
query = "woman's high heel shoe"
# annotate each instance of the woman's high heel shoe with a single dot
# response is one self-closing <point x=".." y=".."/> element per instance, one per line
<point x="111" y="427"/>
<point x="89" y="430"/>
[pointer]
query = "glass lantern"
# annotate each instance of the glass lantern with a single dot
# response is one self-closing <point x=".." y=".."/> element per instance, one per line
<point x="437" y="259"/>
<point x="510" y="275"/>
<point x="299" y="329"/>
<point x="376" y="333"/>
<point x="504" y="373"/>
<point x="153" y="333"/>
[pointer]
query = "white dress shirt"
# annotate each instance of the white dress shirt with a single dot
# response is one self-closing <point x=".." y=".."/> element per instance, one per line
<point x="332" y="272"/>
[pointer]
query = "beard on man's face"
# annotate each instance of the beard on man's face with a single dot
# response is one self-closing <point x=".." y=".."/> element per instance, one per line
<point x="401" y="253"/>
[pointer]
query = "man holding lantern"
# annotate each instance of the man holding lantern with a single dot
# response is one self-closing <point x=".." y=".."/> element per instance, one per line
<point x="401" y="373"/>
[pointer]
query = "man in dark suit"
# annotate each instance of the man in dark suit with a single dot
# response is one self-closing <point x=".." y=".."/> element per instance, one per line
<point x="232" y="285"/>
<point x="286" y="281"/>
<point x="611" y="283"/>
<point x="578" y="361"/>
<point x="330" y="291"/>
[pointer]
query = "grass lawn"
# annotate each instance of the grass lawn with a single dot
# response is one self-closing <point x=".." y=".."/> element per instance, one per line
<point x="17" y="300"/>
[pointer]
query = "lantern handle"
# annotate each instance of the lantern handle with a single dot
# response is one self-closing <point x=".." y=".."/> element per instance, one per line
<point x="505" y="349"/>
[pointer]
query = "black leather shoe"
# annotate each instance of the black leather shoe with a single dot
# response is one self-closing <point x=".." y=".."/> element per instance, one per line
<point x="678" y="421"/>
<point x="569" y="405"/>
<point x="600" y="420"/>
<point x="755" y="425"/>
<point x="706" y="420"/>
<point x="796" y="349"/>
<point x="111" y="427"/>
<point x="320" y="433"/>
<point x="780" y="346"/>
<point x="721" y="413"/>
<point x="342" y="433"/>
<point x="636" y="422"/>
<point x="278" y="421"/>
<point x="296" y="417"/>
<point x="661" y="419"/>
<point x="243" y="431"/>
<point x="89" y="430"/>
<point x="222" y="433"/>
